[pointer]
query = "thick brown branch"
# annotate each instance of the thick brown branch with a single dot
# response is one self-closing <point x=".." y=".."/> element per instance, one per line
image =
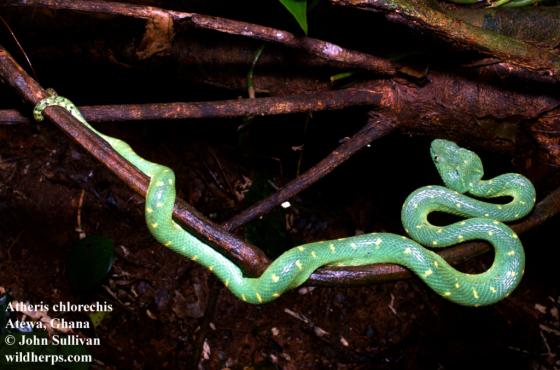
<point x="326" y="100"/>
<point x="323" y="49"/>
<point x="418" y="14"/>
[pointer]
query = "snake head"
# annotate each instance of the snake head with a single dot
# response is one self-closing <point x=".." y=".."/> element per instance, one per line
<point x="459" y="168"/>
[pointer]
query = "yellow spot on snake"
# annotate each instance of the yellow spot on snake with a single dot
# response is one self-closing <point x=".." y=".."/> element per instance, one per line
<point x="259" y="298"/>
<point x="486" y="215"/>
<point x="275" y="278"/>
<point x="301" y="249"/>
<point x="457" y="285"/>
<point x="176" y="225"/>
<point x="511" y="273"/>
<point x="299" y="265"/>
<point x="475" y="293"/>
<point x="458" y="205"/>
<point x="446" y="294"/>
<point x="159" y="204"/>
<point x="407" y="250"/>
<point x="418" y="226"/>
<point x="462" y="223"/>
<point x="436" y="264"/>
<point x="243" y="298"/>
<point x="514" y="236"/>
<point x="332" y="248"/>
<point x="159" y="183"/>
<point x="511" y="253"/>
<point x="353" y="245"/>
<point x="276" y="295"/>
<point x="149" y="210"/>
<point x="341" y="239"/>
<point x="428" y="272"/>
<point x="168" y="244"/>
<point x="226" y="283"/>
<point x="495" y="222"/>
<point x="313" y="254"/>
<point x="460" y="237"/>
<point x="194" y="258"/>
<point x="155" y="225"/>
<point x="170" y="181"/>
<point x="500" y="207"/>
<point x="434" y="242"/>
<point x="493" y="290"/>
<point x="490" y="233"/>
<point x="377" y="242"/>
<point x="211" y="268"/>
<point x="439" y="231"/>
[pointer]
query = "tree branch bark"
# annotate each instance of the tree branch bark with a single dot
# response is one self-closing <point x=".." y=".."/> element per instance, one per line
<point x="417" y="14"/>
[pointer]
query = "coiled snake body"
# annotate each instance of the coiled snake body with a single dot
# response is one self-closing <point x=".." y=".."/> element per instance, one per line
<point x="461" y="171"/>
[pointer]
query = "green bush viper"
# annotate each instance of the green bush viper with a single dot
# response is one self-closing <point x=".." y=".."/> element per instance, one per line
<point x="461" y="171"/>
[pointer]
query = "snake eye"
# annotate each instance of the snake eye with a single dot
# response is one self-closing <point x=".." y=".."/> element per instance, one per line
<point x="435" y="158"/>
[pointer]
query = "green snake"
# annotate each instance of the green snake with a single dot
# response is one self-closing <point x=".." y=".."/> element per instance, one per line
<point x="461" y="171"/>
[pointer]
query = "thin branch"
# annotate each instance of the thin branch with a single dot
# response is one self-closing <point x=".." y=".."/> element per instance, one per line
<point x="377" y="127"/>
<point x="320" y="101"/>
<point x="323" y="49"/>
<point x="418" y="14"/>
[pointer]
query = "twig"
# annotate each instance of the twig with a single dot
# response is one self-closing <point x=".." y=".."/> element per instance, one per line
<point x="18" y="45"/>
<point x="303" y="103"/>
<point x="323" y="49"/>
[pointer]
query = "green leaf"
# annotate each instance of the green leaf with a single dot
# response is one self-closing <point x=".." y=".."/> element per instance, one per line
<point x="298" y="8"/>
<point x="89" y="263"/>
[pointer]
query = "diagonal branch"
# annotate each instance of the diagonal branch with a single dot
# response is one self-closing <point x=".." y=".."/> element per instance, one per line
<point x="377" y="127"/>
<point x="250" y="258"/>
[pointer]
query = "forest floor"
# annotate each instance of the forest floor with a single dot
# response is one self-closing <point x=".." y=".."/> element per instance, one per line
<point x="163" y="315"/>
